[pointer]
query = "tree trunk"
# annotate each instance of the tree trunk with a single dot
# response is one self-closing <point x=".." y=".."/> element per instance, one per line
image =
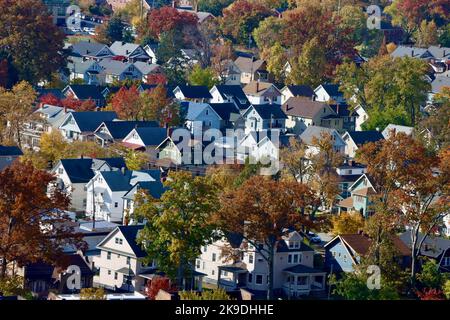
<point x="414" y="236"/>
<point x="3" y="272"/>
<point x="270" y="282"/>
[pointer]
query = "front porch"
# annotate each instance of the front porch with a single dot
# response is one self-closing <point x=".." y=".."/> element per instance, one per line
<point x="232" y="277"/>
<point x="302" y="280"/>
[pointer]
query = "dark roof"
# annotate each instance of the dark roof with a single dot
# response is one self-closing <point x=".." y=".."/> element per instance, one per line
<point x="80" y="170"/>
<point x="432" y="246"/>
<point x="342" y="110"/>
<point x="299" y="268"/>
<point x="282" y="247"/>
<point x="55" y="92"/>
<point x="120" y="129"/>
<point x="150" y="87"/>
<point x="152" y="136"/>
<point x="363" y="137"/>
<point x="87" y="91"/>
<point x="301" y="90"/>
<point x="130" y="233"/>
<point x="235" y="93"/>
<point x="88" y="121"/>
<point x="332" y="89"/>
<point x="225" y="110"/>
<point x="302" y="107"/>
<point x="195" y="92"/>
<point x="116" y="180"/>
<point x="360" y="243"/>
<point x="10" y="151"/>
<point x="86" y="48"/>
<point x="38" y="270"/>
<point x="77" y="260"/>
<point x="266" y="111"/>
<point x="154" y="188"/>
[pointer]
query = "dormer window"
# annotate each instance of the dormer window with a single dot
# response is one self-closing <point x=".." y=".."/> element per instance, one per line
<point x="207" y="111"/>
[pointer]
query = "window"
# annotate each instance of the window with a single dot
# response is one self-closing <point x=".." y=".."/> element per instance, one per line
<point x="60" y="170"/>
<point x="108" y="256"/>
<point x="213" y="257"/>
<point x="259" y="279"/>
<point x="296" y="244"/>
<point x="291" y="244"/>
<point x="213" y="272"/>
<point x="207" y="111"/>
<point x="446" y="261"/>
<point x="116" y="275"/>
<point x="119" y="240"/>
<point x="109" y="272"/>
<point x="295" y="258"/>
<point x="250" y="277"/>
<point x="197" y="264"/>
<point x="116" y="204"/>
<point x="203" y="267"/>
<point x="290" y="258"/>
<point x="250" y="258"/>
<point x="224" y="273"/>
<point x="350" y="171"/>
<point x="128" y="260"/>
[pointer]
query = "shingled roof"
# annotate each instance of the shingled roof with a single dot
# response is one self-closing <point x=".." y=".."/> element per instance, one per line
<point x="303" y="107"/>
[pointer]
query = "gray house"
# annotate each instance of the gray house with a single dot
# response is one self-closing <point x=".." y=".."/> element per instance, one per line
<point x="8" y="154"/>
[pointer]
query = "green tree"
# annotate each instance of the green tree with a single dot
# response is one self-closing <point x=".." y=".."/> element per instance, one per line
<point x="268" y="32"/>
<point x="214" y="7"/>
<point x="216" y="294"/>
<point x="427" y="34"/>
<point x="430" y="276"/>
<point x="310" y="67"/>
<point x="202" y="77"/>
<point x="276" y="60"/>
<point x="111" y="31"/>
<point x="92" y="294"/>
<point x="178" y="225"/>
<point x="444" y="37"/>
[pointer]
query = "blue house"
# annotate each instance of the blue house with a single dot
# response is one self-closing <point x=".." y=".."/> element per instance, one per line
<point x="361" y="197"/>
<point x="116" y="131"/>
<point x="82" y="125"/>
<point x="344" y="252"/>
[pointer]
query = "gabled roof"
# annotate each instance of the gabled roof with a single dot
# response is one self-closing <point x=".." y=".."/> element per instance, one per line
<point x="146" y="68"/>
<point x="363" y="137"/>
<point x="331" y="89"/>
<point x="226" y="111"/>
<point x="316" y="131"/>
<point x="88" y="121"/>
<point x="119" y="181"/>
<point x="130" y="233"/>
<point x="120" y="129"/>
<point x="342" y="110"/>
<point x="153" y="188"/>
<point x="267" y="111"/>
<point x="195" y="92"/>
<point x="124" y="49"/>
<point x="257" y="88"/>
<point x="301" y="91"/>
<point x="152" y="136"/>
<point x="414" y="52"/>
<point x="396" y="128"/>
<point x="439" y="52"/>
<point x="86" y="48"/>
<point x="303" y="107"/>
<point x="86" y="91"/>
<point x="248" y="65"/>
<point x="81" y="170"/>
<point x="235" y="93"/>
<point x="44" y="91"/>
<point x="10" y="151"/>
<point x="114" y="67"/>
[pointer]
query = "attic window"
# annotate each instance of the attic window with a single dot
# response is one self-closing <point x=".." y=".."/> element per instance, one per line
<point x="207" y="111"/>
<point x="119" y="241"/>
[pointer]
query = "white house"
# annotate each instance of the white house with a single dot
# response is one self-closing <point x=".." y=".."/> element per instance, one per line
<point x="296" y="91"/>
<point x="113" y="70"/>
<point x="145" y="139"/>
<point x="73" y="174"/>
<point x="395" y="128"/>
<point x="131" y="51"/>
<point x="105" y="190"/>
<point x="315" y="133"/>
<point x="361" y="117"/>
<point x="328" y="93"/>
<point x="264" y="117"/>
<point x="262" y="93"/>
<point x="229" y="94"/>
<point x="294" y="271"/>
<point x="82" y="125"/>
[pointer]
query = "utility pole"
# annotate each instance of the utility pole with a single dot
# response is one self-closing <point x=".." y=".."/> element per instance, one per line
<point x="93" y="205"/>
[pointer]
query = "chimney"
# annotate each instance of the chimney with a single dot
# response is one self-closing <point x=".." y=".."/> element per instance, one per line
<point x="313" y="97"/>
<point x="412" y="53"/>
<point x="337" y="108"/>
<point x="257" y="86"/>
<point x="123" y="170"/>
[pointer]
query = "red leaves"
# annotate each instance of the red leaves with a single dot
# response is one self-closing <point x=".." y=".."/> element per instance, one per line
<point x="158" y="283"/>
<point x="127" y="103"/>
<point x="79" y="105"/>
<point x="156" y="78"/>
<point x="49" y="99"/>
<point x="167" y="19"/>
<point x="430" y="294"/>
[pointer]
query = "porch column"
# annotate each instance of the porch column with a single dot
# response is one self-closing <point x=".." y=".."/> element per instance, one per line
<point x="218" y="277"/>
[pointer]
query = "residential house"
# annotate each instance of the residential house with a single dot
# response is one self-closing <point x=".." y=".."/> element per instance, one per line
<point x="348" y="174"/>
<point x="82" y="69"/>
<point x="329" y="93"/>
<point x="356" y="139"/>
<point x="348" y="116"/>
<point x="151" y="50"/>
<point x="435" y="248"/>
<point x="230" y="94"/>
<point x="8" y="154"/>
<point x="84" y="92"/>
<point x="438" y="84"/>
<point x="119" y="264"/>
<point x="361" y="117"/>
<point x="294" y="271"/>
<point x="203" y="17"/>
<point x="344" y="252"/>
<point x="264" y="117"/>
<point x="174" y="151"/>
<point x="49" y="118"/>
<point x="72" y="175"/>
<point x="115" y="131"/>
<point x="113" y="70"/>
<point x="82" y="125"/>
<point x="105" y="190"/>
<point x="130" y="52"/>
<point x="395" y="128"/>
<point x="251" y="69"/>
<point x="146" y="139"/>
<point x="230" y="74"/>
<point x="412" y="52"/>
<point x="297" y="91"/>
<point x="313" y="134"/>
<point x="90" y="50"/>
<point x="362" y="193"/>
<point x="147" y="69"/>
<point x="262" y="93"/>
<point x="192" y="93"/>
<point x="302" y="112"/>
<point x="262" y="146"/>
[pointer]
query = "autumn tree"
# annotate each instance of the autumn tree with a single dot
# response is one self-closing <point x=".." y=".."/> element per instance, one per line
<point x="241" y="18"/>
<point x="294" y="160"/>
<point x="214" y="7"/>
<point x="268" y="32"/>
<point x="427" y="34"/>
<point x="16" y="108"/>
<point x="158" y="106"/>
<point x="409" y="192"/>
<point x="276" y="60"/>
<point x="260" y="210"/>
<point x="78" y="105"/>
<point x="437" y="124"/>
<point x="127" y="103"/>
<point x="53" y="146"/>
<point x="347" y="223"/>
<point x="50" y="99"/>
<point x="92" y="294"/>
<point x="178" y="224"/>
<point x="159" y="283"/>
<point x="166" y="19"/>
<point x="30" y="40"/>
<point x="222" y="56"/>
<point x="26" y="214"/>
<point x="216" y="294"/>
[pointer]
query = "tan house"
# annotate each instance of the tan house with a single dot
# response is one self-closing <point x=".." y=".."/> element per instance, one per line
<point x="252" y="69"/>
<point x="259" y="92"/>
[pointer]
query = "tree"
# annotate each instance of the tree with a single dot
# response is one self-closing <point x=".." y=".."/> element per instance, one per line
<point x="168" y="19"/>
<point x="268" y="32"/>
<point x="437" y="123"/>
<point x="27" y="24"/>
<point x="136" y="160"/>
<point x="26" y="212"/>
<point x="50" y="99"/>
<point x="53" y="146"/>
<point x="401" y="170"/>
<point x="158" y="106"/>
<point x="311" y="66"/>
<point x="241" y="18"/>
<point x="127" y="103"/>
<point x="408" y="13"/>
<point x="202" y="77"/>
<point x="444" y="38"/>
<point x="156" y="78"/>
<point x="159" y="283"/>
<point x="427" y="34"/>
<point x="178" y="225"/>
<point x="216" y="294"/>
<point x="222" y="56"/>
<point x="430" y="294"/>
<point x="260" y="210"/>
<point x="110" y="31"/>
<point x="92" y="294"/>
<point x="347" y="223"/>
<point x="430" y="276"/>
<point x="276" y="60"/>
<point x="447" y="288"/>
<point x="79" y="105"/>
<point x="16" y="108"/>
<point x="214" y="7"/>
<point x="294" y="160"/>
